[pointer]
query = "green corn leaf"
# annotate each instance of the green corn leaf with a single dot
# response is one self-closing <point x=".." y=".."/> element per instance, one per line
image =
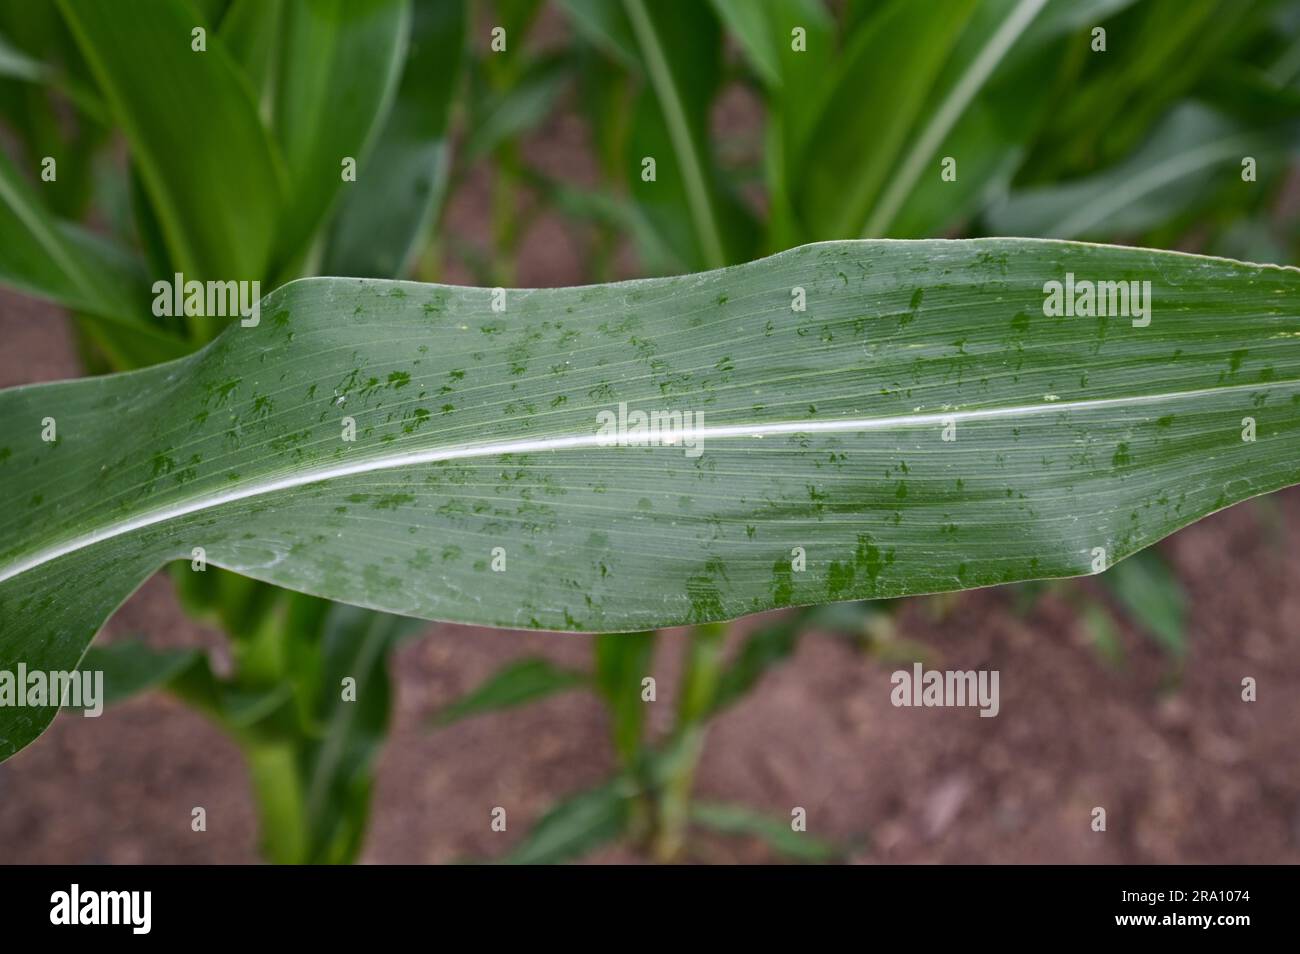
<point x="1152" y="597"/>
<point x="773" y="832"/>
<point x="15" y="64"/>
<point x="1158" y="53"/>
<point x="987" y="143"/>
<point x="338" y="67"/>
<point x="392" y="204"/>
<point x="606" y="26"/>
<point x="989" y="102"/>
<point x="50" y="258"/>
<point x="622" y="661"/>
<point x="250" y="31"/>
<point x="509" y="114"/>
<point x="992" y="32"/>
<point x="751" y="24"/>
<point x="765" y="32"/>
<point x="1102" y="633"/>
<point x="61" y="262"/>
<point x="131" y="344"/>
<point x="674" y="49"/>
<point x="576" y="826"/>
<point x="1191" y="150"/>
<point x="871" y="104"/>
<point x="526" y="680"/>
<point x="978" y="109"/>
<point x="612" y="211"/>
<point x="762" y="650"/>
<point x="190" y="119"/>
<point x="679" y="45"/>
<point x="130" y="668"/>
<point x="790" y="116"/>
<point x="516" y="17"/>
<point x="35" y="48"/>
<point x="478" y="490"/>
<point x="336" y="765"/>
<point x="314" y="774"/>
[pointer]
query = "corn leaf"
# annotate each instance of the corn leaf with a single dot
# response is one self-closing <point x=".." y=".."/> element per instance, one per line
<point x="680" y="52"/>
<point x="881" y="85"/>
<point x="776" y="833"/>
<point x="338" y="66"/>
<point x="400" y="185"/>
<point x="1187" y="154"/>
<point x="194" y="132"/>
<point x="576" y="825"/>
<point x="922" y="426"/>
<point x="61" y="262"/>
<point x="130" y="668"/>
<point x="525" y="680"/>
<point x="622" y="661"/>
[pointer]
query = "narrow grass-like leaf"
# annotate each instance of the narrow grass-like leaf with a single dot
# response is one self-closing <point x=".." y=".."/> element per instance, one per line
<point x="995" y="28"/>
<point x="865" y="116"/>
<point x="606" y="25"/>
<point x="60" y="261"/>
<point x="667" y="41"/>
<point x="1174" y="171"/>
<point x="15" y="64"/>
<point x="512" y="112"/>
<point x="336" y="766"/>
<point x="762" y="650"/>
<point x="132" y="667"/>
<point x="776" y="833"/>
<point x="386" y="212"/>
<point x="1153" y="598"/>
<point x="622" y="661"/>
<point x="63" y="263"/>
<point x="36" y="48"/>
<point x="922" y="426"/>
<point x="576" y="826"/>
<point x="526" y="680"/>
<point x="194" y="132"/>
<point x="250" y="31"/>
<point x="337" y="69"/>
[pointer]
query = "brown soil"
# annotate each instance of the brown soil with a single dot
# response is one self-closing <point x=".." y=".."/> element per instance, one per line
<point x="1186" y="771"/>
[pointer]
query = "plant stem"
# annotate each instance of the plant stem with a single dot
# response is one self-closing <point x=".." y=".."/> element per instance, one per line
<point x="700" y="675"/>
<point x="506" y="214"/>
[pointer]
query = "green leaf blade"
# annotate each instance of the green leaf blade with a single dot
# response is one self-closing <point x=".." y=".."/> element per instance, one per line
<point x="194" y="131"/>
<point x="401" y="184"/>
<point x="478" y="430"/>
<point x="521" y="682"/>
<point x="338" y="67"/>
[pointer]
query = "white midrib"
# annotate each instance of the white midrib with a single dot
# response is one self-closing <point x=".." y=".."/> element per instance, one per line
<point x="213" y="501"/>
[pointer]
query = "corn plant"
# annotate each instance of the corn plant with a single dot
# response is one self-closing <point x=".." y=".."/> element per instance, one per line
<point x="829" y="415"/>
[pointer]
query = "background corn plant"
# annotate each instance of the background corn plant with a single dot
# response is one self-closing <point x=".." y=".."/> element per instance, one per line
<point x="1141" y="143"/>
